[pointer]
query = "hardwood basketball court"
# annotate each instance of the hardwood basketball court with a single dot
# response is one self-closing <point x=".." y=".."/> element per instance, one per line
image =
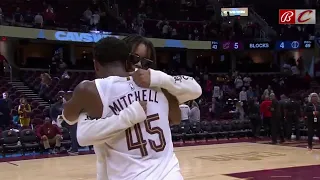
<point x="197" y="163"/>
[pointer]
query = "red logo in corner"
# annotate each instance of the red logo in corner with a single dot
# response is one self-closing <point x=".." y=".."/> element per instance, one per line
<point x="287" y="16"/>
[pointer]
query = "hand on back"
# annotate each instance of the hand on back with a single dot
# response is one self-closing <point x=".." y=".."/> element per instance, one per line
<point x="141" y="77"/>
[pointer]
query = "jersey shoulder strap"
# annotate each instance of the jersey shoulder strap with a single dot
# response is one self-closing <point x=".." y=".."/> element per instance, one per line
<point x="104" y="87"/>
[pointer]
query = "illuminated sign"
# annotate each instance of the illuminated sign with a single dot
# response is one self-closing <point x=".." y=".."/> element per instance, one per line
<point x="80" y="37"/>
<point x="258" y="45"/>
<point x="234" y="12"/>
<point x="290" y="45"/>
<point x="214" y="45"/>
<point x="231" y="45"/>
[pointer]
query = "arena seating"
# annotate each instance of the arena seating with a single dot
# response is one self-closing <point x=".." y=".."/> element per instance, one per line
<point x="188" y="22"/>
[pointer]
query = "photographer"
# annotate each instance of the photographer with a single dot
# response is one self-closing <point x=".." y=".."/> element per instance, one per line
<point x="312" y="112"/>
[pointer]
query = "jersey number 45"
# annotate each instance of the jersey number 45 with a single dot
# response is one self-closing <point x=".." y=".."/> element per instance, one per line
<point x="142" y="143"/>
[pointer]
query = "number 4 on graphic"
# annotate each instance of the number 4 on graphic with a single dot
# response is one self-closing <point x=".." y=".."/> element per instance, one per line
<point x="282" y="45"/>
<point x="142" y="143"/>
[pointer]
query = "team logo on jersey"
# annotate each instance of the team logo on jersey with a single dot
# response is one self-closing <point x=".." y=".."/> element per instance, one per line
<point x="131" y="86"/>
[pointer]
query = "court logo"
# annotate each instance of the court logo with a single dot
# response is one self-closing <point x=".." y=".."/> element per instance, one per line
<point x="297" y="16"/>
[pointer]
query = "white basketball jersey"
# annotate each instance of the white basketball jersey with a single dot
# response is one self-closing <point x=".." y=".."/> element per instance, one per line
<point x="145" y="151"/>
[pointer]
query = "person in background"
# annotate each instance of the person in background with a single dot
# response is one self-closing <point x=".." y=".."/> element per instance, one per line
<point x="3" y="60"/>
<point x="7" y="100"/>
<point x="240" y="110"/>
<point x="267" y="91"/>
<point x="243" y="97"/>
<point x="292" y="114"/>
<point x="312" y="112"/>
<point x="23" y="110"/>
<point x="238" y="82"/>
<point x="45" y="82"/>
<point x="250" y="94"/>
<point x="5" y="108"/>
<point x="50" y="135"/>
<point x="38" y="21"/>
<point x="247" y="81"/>
<point x="255" y="118"/>
<point x="216" y="92"/>
<point x="1" y="16"/>
<point x="17" y="17"/>
<point x="276" y="120"/>
<point x="266" y="114"/>
<point x="185" y="112"/>
<point x="56" y="110"/>
<point x="194" y="112"/>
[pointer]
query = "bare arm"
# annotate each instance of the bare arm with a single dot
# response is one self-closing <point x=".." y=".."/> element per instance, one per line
<point x="92" y="132"/>
<point x="85" y="98"/>
<point x="184" y="88"/>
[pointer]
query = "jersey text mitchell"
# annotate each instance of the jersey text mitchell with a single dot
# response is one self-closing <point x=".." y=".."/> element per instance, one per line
<point x="142" y="95"/>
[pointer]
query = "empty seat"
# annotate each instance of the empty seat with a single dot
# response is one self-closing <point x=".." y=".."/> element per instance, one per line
<point x="10" y="141"/>
<point x="29" y="140"/>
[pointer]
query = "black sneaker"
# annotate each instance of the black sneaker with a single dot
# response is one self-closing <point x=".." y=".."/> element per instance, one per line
<point x="73" y="153"/>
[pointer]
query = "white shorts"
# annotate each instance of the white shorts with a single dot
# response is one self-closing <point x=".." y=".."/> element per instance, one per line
<point x="175" y="175"/>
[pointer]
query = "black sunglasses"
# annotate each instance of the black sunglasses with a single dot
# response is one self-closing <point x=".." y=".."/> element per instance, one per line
<point x="145" y="62"/>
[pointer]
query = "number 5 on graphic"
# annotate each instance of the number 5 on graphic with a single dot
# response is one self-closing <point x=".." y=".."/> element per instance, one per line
<point x="142" y="143"/>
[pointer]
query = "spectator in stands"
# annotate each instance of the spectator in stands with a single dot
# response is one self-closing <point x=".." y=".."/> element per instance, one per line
<point x="1" y="16"/>
<point x="257" y="91"/>
<point x="50" y="135"/>
<point x="250" y="93"/>
<point x="17" y="17"/>
<point x="166" y="29"/>
<point x="56" y="109"/>
<point x="243" y="97"/>
<point x="38" y="21"/>
<point x="7" y="100"/>
<point x="28" y="17"/>
<point x="87" y="15"/>
<point x="238" y="82"/>
<point x="266" y="114"/>
<point x="3" y="61"/>
<point x="65" y="81"/>
<point x="247" y="81"/>
<point x="5" y="108"/>
<point x="55" y="62"/>
<point x="24" y="110"/>
<point x="49" y="16"/>
<point x="216" y="92"/>
<point x="95" y="20"/>
<point x="312" y="112"/>
<point x="185" y="112"/>
<point x="208" y="89"/>
<point x="267" y="91"/>
<point x="45" y="83"/>
<point x="240" y="110"/>
<point x="194" y="112"/>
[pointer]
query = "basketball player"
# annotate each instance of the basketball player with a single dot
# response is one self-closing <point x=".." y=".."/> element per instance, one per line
<point x="144" y="151"/>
